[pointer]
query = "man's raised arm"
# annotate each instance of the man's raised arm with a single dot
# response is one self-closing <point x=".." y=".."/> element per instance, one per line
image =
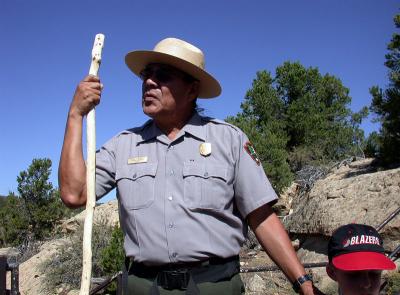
<point x="72" y="167"/>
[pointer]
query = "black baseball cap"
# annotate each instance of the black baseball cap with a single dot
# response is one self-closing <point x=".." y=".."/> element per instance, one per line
<point x="358" y="247"/>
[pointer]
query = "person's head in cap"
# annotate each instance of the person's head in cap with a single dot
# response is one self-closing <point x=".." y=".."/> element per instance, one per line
<point x="174" y="76"/>
<point x="356" y="259"/>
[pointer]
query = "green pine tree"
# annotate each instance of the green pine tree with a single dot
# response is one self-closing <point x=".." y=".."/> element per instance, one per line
<point x="264" y="123"/>
<point x="41" y="203"/>
<point x="299" y="117"/>
<point x="386" y="104"/>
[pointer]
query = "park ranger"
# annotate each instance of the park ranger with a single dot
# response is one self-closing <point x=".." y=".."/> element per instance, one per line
<point x="187" y="185"/>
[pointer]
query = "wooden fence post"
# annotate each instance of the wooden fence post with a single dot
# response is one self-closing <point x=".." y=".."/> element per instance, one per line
<point x="3" y="274"/>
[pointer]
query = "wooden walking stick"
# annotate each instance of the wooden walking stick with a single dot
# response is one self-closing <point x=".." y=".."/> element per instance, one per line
<point x="90" y="176"/>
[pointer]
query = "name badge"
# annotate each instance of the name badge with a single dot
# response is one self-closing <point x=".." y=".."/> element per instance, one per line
<point x="137" y="160"/>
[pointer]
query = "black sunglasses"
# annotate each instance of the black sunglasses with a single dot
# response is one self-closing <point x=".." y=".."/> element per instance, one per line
<point x="163" y="73"/>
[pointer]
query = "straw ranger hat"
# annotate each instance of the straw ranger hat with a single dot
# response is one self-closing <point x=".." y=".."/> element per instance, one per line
<point x="181" y="55"/>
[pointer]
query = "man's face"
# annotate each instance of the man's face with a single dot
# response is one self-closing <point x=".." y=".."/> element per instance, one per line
<point x="362" y="282"/>
<point x="166" y="93"/>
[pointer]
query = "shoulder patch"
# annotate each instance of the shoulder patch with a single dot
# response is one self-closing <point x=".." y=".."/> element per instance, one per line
<point x="249" y="148"/>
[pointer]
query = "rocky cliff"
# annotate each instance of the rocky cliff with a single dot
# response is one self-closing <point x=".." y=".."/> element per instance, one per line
<point x="354" y="193"/>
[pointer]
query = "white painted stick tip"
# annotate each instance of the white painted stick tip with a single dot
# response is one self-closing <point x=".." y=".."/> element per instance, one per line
<point x="97" y="47"/>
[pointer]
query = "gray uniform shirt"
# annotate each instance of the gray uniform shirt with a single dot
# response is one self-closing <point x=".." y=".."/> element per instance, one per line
<point x="175" y="204"/>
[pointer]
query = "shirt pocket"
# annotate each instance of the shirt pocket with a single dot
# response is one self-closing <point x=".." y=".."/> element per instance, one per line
<point x="207" y="186"/>
<point x="135" y="185"/>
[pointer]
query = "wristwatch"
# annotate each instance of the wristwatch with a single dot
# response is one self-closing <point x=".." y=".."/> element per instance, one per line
<point x="300" y="281"/>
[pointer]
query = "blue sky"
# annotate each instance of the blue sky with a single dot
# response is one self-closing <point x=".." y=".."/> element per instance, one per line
<point x="45" y="50"/>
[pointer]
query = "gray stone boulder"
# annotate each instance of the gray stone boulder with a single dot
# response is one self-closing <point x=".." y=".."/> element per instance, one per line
<point x="352" y="194"/>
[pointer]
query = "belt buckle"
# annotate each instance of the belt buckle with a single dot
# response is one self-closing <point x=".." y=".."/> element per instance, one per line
<point x="173" y="279"/>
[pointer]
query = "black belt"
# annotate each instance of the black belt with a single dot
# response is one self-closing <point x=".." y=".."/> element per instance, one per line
<point x="185" y="276"/>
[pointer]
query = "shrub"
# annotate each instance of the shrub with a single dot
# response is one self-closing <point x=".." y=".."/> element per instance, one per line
<point x="393" y="283"/>
<point x="66" y="264"/>
<point x="113" y="256"/>
<point x="31" y="215"/>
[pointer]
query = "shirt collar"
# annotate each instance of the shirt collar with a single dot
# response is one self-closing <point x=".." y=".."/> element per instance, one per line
<point x="195" y="126"/>
<point x="148" y="131"/>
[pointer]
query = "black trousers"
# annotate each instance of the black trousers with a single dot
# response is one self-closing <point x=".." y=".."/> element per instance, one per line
<point x="142" y="286"/>
<point x="214" y="276"/>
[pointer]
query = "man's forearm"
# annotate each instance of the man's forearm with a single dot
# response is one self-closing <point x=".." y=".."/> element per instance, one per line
<point x="275" y="240"/>
<point x="72" y="168"/>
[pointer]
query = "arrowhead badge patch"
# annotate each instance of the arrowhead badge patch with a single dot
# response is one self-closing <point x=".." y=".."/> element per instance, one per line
<point x="249" y="148"/>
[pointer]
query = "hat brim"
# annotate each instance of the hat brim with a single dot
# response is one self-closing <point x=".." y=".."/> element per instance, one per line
<point x="138" y="60"/>
<point x="363" y="261"/>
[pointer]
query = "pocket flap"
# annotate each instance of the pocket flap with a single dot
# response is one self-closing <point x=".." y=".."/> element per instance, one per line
<point x="205" y="171"/>
<point x="193" y="170"/>
<point x="217" y="171"/>
<point x="136" y="171"/>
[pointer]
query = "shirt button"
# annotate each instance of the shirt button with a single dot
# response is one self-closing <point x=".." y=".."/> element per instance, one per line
<point x="170" y="198"/>
<point x="205" y="174"/>
<point x="171" y="225"/>
<point x="171" y="172"/>
<point x="174" y="254"/>
<point x="134" y="175"/>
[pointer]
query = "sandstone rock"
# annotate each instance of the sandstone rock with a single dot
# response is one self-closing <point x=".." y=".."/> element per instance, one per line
<point x="256" y="284"/>
<point x="252" y="253"/>
<point x="106" y="213"/>
<point x="284" y="204"/>
<point x="296" y="244"/>
<point x="31" y="277"/>
<point x="312" y="251"/>
<point x="355" y="194"/>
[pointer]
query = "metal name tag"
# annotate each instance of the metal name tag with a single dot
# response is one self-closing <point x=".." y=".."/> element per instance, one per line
<point x="137" y="160"/>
